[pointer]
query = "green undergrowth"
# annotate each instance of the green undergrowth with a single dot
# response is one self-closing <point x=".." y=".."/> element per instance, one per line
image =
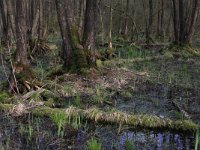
<point x="134" y="51"/>
<point x="93" y="144"/>
<point x="184" y="51"/>
<point x="4" y="97"/>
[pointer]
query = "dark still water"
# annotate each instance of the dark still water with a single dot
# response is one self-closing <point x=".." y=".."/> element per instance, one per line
<point x="40" y="134"/>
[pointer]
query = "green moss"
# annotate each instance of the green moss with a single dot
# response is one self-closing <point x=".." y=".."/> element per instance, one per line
<point x="93" y="144"/>
<point x="48" y="95"/>
<point x="6" y="107"/>
<point x="168" y="55"/>
<point x="46" y="111"/>
<point x="129" y="145"/>
<point x="74" y="36"/>
<point x="99" y="63"/>
<point x="79" y="56"/>
<point x="126" y="95"/>
<point x="181" y="50"/>
<point x="49" y="103"/>
<point x="4" y="97"/>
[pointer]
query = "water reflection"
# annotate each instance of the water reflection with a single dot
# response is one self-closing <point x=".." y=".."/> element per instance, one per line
<point x="158" y="141"/>
<point x="44" y="137"/>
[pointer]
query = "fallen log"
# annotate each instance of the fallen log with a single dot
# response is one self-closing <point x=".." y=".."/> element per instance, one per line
<point x="115" y="117"/>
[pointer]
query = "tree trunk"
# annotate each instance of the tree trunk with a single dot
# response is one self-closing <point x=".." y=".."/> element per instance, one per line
<point x="193" y="21"/>
<point x="41" y="29"/>
<point x="185" y="20"/>
<point x="73" y="50"/>
<point x="176" y="21"/>
<point x="150" y="22"/>
<point x="35" y="16"/>
<point x="3" y="10"/>
<point x="21" y="33"/>
<point x="125" y="31"/>
<point x="110" y="46"/>
<point x="81" y="16"/>
<point x="21" y="72"/>
<point x="66" y="45"/>
<point x="11" y="19"/>
<point x="160" y="22"/>
<point x="89" y="30"/>
<point x="78" y="54"/>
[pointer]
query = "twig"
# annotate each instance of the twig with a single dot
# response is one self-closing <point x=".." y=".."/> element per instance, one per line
<point x="181" y="109"/>
<point x="13" y="73"/>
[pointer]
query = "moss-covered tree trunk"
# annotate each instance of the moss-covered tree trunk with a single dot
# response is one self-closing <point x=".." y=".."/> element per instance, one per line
<point x="73" y="54"/>
<point x="78" y="57"/>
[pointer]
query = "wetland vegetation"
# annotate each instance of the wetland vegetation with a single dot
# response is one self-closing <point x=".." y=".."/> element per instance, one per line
<point x="69" y="82"/>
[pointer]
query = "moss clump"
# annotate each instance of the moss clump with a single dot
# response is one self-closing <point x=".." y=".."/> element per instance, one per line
<point x="4" y="97"/>
<point x="49" y="103"/>
<point x="185" y="51"/>
<point x="6" y="107"/>
<point x="99" y="63"/>
<point x="168" y="55"/>
<point x="46" y="111"/>
<point x="126" y="95"/>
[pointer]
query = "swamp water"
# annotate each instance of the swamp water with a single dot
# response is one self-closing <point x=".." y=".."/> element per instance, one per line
<point x="41" y="134"/>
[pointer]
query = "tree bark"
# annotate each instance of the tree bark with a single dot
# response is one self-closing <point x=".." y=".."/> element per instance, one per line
<point x="184" y="20"/>
<point x="90" y="23"/>
<point x="176" y="21"/>
<point x="81" y="16"/>
<point x="110" y="46"/>
<point x="66" y="45"/>
<point x="35" y="16"/>
<point x="150" y="22"/>
<point x="193" y="21"/>
<point x="73" y="49"/>
<point x="21" y="33"/>
<point x="125" y="31"/>
<point x="4" y="21"/>
<point x="11" y="19"/>
<point x="89" y="30"/>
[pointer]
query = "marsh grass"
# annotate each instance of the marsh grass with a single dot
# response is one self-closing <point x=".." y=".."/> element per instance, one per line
<point x="133" y="51"/>
<point x="93" y="144"/>
<point x="196" y="140"/>
<point x="21" y="129"/>
<point x="129" y="145"/>
<point x="30" y="131"/>
<point x="99" y="96"/>
<point x="179" y="115"/>
<point x="77" y="101"/>
<point x="40" y="71"/>
<point x="60" y="120"/>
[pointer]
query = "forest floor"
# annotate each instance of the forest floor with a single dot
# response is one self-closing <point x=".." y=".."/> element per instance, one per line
<point x="141" y="82"/>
